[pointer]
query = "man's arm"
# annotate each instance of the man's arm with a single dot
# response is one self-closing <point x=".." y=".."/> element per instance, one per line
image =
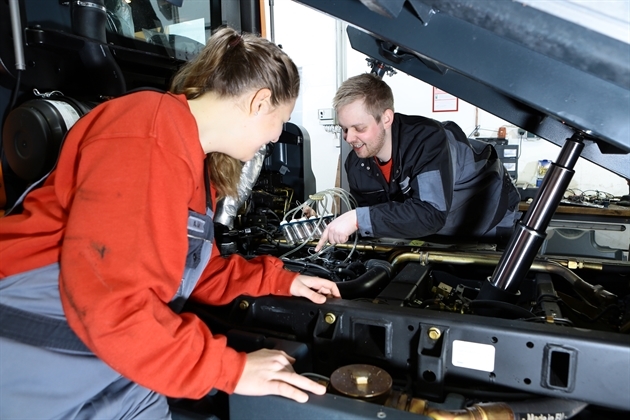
<point x="427" y="171"/>
<point x="426" y="180"/>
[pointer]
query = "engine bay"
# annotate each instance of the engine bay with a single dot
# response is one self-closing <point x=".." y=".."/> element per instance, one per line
<point x="411" y="311"/>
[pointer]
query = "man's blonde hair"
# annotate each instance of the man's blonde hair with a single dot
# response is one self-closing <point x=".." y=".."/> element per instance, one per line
<point x="376" y="95"/>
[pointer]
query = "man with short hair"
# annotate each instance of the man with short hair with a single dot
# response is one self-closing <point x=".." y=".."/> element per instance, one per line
<point x="414" y="176"/>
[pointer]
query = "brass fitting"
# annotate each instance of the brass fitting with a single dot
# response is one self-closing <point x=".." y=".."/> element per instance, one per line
<point x="434" y="333"/>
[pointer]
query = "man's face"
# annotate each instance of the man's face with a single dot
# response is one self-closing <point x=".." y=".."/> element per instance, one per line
<point x="361" y="130"/>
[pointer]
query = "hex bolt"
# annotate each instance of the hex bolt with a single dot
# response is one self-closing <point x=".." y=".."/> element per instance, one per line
<point x="330" y="318"/>
<point x="434" y="333"/>
<point x="243" y="305"/>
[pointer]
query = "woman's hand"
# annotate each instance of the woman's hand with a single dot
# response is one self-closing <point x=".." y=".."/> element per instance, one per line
<point x="270" y="372"/>
<point x="314" y="288"/>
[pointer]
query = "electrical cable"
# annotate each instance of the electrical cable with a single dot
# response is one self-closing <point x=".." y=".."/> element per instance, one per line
<point x="544" y="320"/>
<point x="16" y="89"/>
<point x="586" y="317"/>
<point x="475" y="130"/>
<point x="326" y="203"/>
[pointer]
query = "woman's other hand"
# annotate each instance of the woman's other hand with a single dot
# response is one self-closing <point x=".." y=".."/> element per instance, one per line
<point x="270" y="372"/>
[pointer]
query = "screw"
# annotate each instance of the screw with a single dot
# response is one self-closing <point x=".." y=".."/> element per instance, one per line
<point x="330" y="318"/>
<point x="243" y="305"/>
<point x="434" y="333"/>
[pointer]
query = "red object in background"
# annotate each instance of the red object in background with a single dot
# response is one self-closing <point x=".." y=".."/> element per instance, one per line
<point x="444" y="101"/>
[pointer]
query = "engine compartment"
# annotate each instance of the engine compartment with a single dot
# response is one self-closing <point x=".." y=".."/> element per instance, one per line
<point x="410" y="309"/>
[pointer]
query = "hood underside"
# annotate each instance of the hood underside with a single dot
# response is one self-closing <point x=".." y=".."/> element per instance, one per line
<point x="548" y="75"/>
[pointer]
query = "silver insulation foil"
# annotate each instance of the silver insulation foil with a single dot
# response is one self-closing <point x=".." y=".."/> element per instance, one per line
<point x="228" y="206"/>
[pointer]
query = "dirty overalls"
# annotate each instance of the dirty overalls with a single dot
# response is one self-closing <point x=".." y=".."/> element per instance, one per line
<point x="45" y="369"/>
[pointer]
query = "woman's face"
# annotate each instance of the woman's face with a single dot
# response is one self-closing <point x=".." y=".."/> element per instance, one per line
<point x="266" y="128"/>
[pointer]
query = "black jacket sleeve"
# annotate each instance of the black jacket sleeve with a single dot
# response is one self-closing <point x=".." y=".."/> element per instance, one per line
<point x="417" y="200"/>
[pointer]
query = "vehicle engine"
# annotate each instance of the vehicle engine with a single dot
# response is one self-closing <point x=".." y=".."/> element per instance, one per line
<point x="410" y="335"/>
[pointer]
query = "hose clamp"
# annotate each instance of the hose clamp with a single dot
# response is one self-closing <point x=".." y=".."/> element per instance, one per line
<point x="90" y="4"/>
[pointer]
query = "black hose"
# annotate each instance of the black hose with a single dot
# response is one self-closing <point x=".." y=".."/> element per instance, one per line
<point x="16" y="89"/>
<point x="369" y="284"/>
<point x="89" y="21"/>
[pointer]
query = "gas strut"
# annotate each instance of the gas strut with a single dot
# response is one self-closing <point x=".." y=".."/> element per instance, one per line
<point x="530" y="230"/>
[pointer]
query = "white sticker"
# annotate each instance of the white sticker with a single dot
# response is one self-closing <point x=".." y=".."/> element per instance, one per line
<point x="473" y="355"/>
<point x="68" y="113"/>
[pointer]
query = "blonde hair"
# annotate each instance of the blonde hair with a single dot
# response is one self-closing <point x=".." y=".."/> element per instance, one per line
<point x="230" y="65"/>
<point x="376" y="95"/>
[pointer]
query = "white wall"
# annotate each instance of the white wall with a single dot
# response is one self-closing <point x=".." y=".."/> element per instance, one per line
<point x="308" y="36"/>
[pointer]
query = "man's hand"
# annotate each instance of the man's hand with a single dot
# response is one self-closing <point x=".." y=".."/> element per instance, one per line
<point x="269" y="372"/>
<point x="339" y="230"/>
<point x="314" y="288"/>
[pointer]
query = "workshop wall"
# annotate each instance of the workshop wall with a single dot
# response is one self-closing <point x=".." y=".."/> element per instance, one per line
<point x="309" y="37"/>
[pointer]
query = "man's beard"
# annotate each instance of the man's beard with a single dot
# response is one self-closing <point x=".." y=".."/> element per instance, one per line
<point x="376" y="147"/>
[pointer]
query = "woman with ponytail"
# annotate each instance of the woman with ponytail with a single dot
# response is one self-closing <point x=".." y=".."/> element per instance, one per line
<point x="97" y="267"/>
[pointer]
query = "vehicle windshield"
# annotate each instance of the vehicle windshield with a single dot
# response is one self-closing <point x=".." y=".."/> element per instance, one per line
<point x="180" y="27"/>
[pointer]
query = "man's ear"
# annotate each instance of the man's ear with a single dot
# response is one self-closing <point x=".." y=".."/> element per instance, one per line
<point x="387" y="118"/>
<point x="261" y="102"/>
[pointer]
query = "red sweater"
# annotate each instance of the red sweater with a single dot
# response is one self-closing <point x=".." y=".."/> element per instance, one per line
<point x="114" y="215"/>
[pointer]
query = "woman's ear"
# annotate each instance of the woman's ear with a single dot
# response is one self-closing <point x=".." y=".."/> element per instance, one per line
<point x="261" y="102"/>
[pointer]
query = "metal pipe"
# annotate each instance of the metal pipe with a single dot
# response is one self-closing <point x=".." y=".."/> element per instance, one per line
<point x="442" y="257"/>
<point x="359" y="247"/>
<point x="530" y="231"/>
<point x="458" y="257"/>
<point x="340" y="51"/>
<point x="16" y="30"/>
<point x="272" y="26"/>
<point x="544" y="407"/>
<point x="595" y="295"/>
<point x="553" y="408"/>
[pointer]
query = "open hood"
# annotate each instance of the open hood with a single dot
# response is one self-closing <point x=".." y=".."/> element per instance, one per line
<point x="548" y="75"/>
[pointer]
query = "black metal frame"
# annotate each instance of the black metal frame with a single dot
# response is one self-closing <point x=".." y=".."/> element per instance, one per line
<point x="596" y="368"/>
